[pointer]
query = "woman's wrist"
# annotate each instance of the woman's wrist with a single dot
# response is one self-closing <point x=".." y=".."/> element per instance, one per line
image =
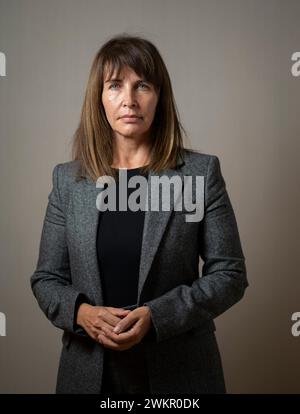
<point x="81" y="310"/>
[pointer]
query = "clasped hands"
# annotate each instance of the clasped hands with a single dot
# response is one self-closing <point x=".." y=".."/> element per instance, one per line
<point x="115" y="328"/>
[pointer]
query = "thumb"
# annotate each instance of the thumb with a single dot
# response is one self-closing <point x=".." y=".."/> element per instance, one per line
<point x="125" y="324"/>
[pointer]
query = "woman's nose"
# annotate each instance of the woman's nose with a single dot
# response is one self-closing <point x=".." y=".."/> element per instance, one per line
<point x="129" y="98"/>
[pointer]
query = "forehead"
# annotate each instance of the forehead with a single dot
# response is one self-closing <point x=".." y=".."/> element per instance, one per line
<point x="125" y="71"/>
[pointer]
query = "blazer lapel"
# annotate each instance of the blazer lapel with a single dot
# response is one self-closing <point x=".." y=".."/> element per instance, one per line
<point x="86" y="222"/>
<point x="87" y="216"/>
<point x="155" y="224"/>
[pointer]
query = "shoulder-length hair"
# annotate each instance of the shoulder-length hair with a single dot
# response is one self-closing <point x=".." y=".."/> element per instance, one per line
<point x="92" y="141"/>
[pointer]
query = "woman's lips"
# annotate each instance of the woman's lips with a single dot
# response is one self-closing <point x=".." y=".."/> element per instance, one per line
<point x="130" y="120"/>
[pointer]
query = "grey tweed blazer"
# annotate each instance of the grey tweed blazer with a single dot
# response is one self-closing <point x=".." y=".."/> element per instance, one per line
<point x="183" y="355"/>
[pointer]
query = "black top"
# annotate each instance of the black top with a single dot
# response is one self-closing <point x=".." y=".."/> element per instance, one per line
<point x="119" y="241"/>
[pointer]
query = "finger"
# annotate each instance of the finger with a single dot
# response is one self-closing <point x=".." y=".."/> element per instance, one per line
<point x="112" y="315"/>
<point x="108" y="343"/>
<point x="109" y="318"/>
<point x="105" y="327"/>
<point x="125" y="323"/>
<point x="119" y="311"/>
<point x="94" y="332"/>
<point x="122" y="338"/>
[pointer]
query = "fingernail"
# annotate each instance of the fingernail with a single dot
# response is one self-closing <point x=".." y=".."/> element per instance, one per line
<point x="116" y="330"/>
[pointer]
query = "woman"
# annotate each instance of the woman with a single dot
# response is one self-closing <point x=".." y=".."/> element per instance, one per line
<point x="124" y="285"/>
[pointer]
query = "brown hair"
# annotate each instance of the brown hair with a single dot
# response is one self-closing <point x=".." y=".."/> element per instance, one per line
<point x="92" y="144"/>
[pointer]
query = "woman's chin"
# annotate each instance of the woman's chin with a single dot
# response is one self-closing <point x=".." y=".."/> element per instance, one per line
<point x="131" y="133"/>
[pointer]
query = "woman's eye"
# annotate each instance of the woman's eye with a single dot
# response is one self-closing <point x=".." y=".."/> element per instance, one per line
<point x="112" y="85"/>
<point x="143" y="85"/>
<point x="115" y="85"/>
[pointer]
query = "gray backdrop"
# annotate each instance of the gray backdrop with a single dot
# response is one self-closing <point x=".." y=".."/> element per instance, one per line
<point x="230" y="64"/>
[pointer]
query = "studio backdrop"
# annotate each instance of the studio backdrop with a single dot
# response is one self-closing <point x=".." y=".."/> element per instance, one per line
<point x="235" y="71"/>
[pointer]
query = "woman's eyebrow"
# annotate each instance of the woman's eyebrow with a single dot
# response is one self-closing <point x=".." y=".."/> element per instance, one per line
<point x="120" y="80"/>
<point x="113" y="80"/>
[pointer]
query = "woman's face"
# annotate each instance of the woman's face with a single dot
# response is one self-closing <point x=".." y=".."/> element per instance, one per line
<point x="129" y="95"/>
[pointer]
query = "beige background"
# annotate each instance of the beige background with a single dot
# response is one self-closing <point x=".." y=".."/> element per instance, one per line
<point x="230" y="64"/>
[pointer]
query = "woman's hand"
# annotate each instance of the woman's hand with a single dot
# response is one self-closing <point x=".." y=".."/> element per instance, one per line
<point x="127" y="332"/>
<point x="94" y="318"/>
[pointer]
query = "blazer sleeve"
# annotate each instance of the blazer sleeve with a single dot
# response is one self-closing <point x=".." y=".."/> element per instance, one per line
<point x="224" y="277"/>
<point x="51" y="282"/>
